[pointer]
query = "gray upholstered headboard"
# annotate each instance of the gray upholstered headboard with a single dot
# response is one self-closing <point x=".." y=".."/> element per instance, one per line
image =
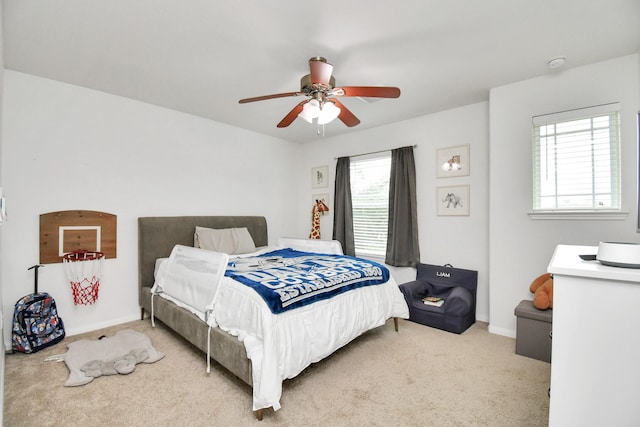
<point x="158" y="235"/>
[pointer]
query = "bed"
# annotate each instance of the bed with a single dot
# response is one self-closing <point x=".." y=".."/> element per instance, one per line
<point x="228" y="343"/>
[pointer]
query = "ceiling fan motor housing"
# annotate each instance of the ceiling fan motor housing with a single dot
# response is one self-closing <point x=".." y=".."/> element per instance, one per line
<point x="307" y="87"/>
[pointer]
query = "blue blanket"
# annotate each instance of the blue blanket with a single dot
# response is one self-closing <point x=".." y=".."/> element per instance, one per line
<point x="287" y="279"/>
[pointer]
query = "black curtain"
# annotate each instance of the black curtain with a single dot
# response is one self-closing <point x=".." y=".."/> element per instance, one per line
<point x="342" y="207"/>
<point x="402" y="238"/>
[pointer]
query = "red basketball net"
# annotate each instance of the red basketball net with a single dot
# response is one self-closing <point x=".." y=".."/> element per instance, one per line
<point x="84" y="269"/>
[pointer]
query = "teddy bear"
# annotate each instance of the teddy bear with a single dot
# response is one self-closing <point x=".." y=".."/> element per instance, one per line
<point x="542" y="289"/>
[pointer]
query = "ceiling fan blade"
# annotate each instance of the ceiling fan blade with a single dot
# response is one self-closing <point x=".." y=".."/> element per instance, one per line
<point x="320" y="71"/>
<point x="347" y="117"/>
<point x="265" y="97"/>
<point x="293" y="114"/>
<point x="368" y="91"/>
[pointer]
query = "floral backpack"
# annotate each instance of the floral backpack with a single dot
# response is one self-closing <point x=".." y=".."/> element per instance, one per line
<point x="36" y="324"/>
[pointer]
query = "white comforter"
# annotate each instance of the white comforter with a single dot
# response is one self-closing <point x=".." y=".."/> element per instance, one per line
<point x="281" y="346"/>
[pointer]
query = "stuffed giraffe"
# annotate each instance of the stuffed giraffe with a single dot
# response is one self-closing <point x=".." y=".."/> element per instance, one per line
<point x="319" y="208"/>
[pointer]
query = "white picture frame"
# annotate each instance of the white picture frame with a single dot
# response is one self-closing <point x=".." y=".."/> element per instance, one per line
<point x="453" y="200"/>
<point x="320" y="177"/>
<point x="453" y="161"/>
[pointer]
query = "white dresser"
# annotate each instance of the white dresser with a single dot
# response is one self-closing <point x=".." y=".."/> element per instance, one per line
<point x="595" y="358"/>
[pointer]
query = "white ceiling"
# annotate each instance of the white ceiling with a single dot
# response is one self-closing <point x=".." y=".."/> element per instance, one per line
<point x="202" y="56"/>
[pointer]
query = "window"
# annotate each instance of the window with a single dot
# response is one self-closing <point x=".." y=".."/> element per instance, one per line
<point x="370" y="204"/>
<point x="576" y="160"/>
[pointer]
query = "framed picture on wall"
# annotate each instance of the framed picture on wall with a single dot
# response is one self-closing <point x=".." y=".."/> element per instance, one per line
<point x="453" y="161"/>
<point x="320" y="177"/>
<point x="453" y="200"/>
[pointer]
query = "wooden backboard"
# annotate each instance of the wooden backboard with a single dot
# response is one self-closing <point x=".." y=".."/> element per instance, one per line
<point x="68" y="231"/>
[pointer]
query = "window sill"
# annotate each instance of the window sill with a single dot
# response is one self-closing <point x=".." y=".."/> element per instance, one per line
<point x="371" y="257"/>
<point x="578" y="215"/>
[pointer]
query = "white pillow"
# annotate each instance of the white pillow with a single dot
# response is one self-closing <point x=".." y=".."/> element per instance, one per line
<point x="232" y="241"/>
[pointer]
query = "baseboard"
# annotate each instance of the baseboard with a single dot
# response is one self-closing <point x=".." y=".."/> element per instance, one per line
<point x="95" y="326"/>
<point x="502" y="331"/>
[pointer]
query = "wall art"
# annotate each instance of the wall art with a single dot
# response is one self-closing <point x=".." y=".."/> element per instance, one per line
<point x="320" y="177"/>
<point x="453" y="161"/>
<point x="453" y="200"/>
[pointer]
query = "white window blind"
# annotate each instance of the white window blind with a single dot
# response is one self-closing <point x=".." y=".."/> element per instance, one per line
<point x="370" y="203"/>
<point x="576" y="160"/>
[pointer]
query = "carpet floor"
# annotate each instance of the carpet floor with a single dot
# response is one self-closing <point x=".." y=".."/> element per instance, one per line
<point x="419" y="376"/>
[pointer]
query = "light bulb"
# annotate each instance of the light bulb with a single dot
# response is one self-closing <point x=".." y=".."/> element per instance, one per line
<point x="328" y="113"/>
<point x="310" y="111"/>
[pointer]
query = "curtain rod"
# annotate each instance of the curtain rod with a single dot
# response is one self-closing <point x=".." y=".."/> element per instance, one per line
<point x="575" y="109"/>
<point x="376" y="152"/>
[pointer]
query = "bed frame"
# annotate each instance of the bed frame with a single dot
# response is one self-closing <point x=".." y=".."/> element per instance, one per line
<point x="156" y="238"/>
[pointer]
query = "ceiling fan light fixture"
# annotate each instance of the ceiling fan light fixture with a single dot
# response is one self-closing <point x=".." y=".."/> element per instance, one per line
<point x="310" y="111"/>
<point x="328" y="113"/>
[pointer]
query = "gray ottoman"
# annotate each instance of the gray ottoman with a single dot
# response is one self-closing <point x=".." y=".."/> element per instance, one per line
<point x="533" y="333"/>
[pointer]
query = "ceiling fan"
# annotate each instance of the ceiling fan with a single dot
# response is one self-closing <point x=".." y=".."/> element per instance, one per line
<point x="322" y="103"/>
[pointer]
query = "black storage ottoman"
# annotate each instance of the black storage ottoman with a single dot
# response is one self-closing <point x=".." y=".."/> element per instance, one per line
<point x="533" y="333"/>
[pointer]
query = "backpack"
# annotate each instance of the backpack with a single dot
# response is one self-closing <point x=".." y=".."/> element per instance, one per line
<point x="36" y="324"/>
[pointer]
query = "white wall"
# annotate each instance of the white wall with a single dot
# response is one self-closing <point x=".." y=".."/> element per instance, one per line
<point x="520" y="248"/>
<point x="2" y="310"/>
<point x="460" y="241"/>
<point x="67" y="148"/>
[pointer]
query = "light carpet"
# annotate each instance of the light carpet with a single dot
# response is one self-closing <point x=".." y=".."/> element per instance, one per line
<point x="418" y="376"/>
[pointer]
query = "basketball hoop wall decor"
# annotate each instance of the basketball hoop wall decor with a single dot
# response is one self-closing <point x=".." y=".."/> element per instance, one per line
<point x="72" y="231"/>
<point x="84" y="269"/>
